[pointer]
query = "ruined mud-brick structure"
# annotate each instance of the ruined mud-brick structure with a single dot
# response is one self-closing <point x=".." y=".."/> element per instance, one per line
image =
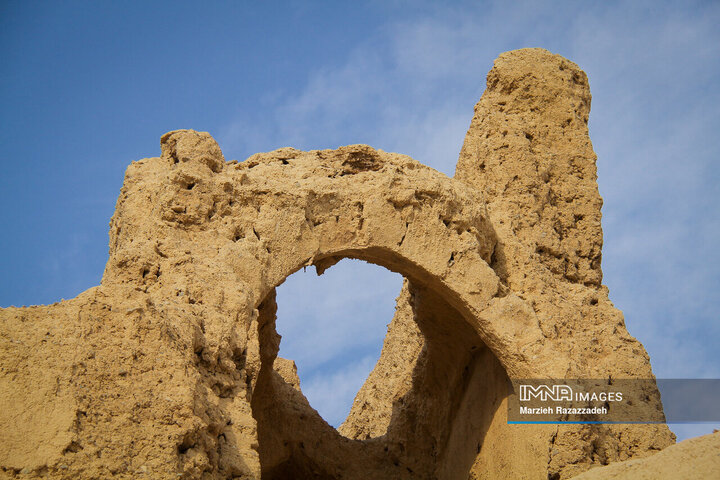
<point x="169" y="368"/>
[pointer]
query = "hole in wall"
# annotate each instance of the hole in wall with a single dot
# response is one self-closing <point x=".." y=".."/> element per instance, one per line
<point x="428" y="425"/>
<point x="333" y="327"/>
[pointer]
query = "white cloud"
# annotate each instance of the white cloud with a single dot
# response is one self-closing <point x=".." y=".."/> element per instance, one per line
<point x="332" y="394"/>
<point x="329" y="320"/>
<point x="654" y="70"/>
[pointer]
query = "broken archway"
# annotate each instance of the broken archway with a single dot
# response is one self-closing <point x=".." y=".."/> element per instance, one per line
<point x="165" y="367"/>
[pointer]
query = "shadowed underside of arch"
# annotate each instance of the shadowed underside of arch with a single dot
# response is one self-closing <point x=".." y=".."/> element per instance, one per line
<point x="170" y="366"/>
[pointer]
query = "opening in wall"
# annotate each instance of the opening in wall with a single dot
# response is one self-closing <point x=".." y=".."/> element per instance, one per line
<point x="333" y="326"/>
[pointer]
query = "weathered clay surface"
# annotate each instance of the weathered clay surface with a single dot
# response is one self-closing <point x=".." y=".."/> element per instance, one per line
<point x="693" y="458"/>
<point x="169" y="368"/>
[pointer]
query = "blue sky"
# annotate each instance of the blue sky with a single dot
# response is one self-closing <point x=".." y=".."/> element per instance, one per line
<point x="87" y="87"/>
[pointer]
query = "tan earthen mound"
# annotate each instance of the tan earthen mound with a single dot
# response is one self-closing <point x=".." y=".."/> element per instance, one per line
<point x="694" y="458"/>
<point x="169" y="368"/>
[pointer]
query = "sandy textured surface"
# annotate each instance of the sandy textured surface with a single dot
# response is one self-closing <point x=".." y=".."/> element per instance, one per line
<point x="695" y="458"/>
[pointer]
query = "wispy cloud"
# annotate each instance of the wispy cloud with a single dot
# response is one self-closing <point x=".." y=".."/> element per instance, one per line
<point x="333" y="326"/>
<point x="332" y="393"/>
<point x="654" y="70"/>
<point x="330" y="320"/>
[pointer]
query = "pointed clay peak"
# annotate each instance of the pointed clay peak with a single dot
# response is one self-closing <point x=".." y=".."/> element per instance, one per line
<point x="529" y="151"/>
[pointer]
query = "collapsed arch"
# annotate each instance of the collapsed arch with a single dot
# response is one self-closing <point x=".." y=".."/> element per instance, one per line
<point x="197" y="244"/>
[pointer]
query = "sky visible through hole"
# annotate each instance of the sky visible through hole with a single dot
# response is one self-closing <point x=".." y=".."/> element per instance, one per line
<point x="333" y="327"/>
